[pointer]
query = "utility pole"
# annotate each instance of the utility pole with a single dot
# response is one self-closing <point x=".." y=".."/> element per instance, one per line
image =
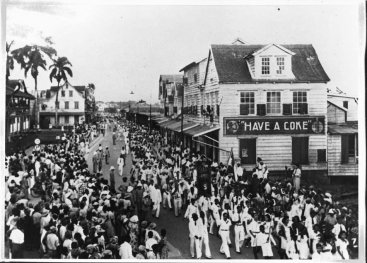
<point x="150" y="117"/>
<point x="182" y="115"/>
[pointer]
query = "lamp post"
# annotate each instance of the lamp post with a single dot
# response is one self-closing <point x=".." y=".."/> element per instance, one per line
<point x="131" y="93"/>
<point x="182" y="112"/>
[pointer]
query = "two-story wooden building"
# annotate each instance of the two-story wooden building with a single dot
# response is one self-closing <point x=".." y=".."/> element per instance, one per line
<point x="342" y="137"/>
<point x="71" y="105"/>
<point x="167" y="88"/>
<point x="273" y="104"/>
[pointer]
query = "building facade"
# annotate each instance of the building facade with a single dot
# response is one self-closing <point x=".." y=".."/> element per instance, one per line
<point x="342" y="136"/>
<point x="71" y="106"/>
<point x="273" y="104"/>
<point x="168" y="85"/>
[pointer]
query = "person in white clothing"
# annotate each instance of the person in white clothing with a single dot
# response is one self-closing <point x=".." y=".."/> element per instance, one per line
<point x="121" y="164"/>
<point x="239" y="232"/>
<point x="157" y="200"/>
<point x="191" y="209"/>
<point x="224" y="226"/>
<point x="264" y="240"/>
<point x="215" y="218"/>
<point x="342" y="244"/>
<point x="125" y="250"/>
<point x="195" y="229"/>
<point x="205" y="235"/>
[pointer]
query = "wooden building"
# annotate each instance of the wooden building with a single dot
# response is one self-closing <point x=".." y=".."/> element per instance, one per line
<point x="342" y="136"/>
<point x="71" y="106"/>
<point x="272" y="103"/>
<point x="167" y="91"/>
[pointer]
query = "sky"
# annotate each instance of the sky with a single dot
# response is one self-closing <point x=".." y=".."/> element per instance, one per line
<point x="123" y="48"/>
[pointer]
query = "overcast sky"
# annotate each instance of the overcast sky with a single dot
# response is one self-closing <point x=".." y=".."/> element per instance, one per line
<point x="121" y="48"/>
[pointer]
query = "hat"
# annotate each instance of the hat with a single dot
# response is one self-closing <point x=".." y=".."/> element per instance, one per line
<point x="112" y="167"/>
<point x="344" y="208"/>
<point x="152" y="225"/>
<point x="129" y="188"/>
<point x="328" y="195"/>
<point x="331" y="211"/>
<point x="53" y="228"/>
<point x="139" y="184"/>
<point x="107" y="252"/>
<point x="106" y="146"/>
<point x="141" y="248"/>
<point x="145" y="194"/>
<point x="134" y="219"/>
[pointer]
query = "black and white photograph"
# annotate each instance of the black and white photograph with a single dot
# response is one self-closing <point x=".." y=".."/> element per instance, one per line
<point x="183" y="130"/>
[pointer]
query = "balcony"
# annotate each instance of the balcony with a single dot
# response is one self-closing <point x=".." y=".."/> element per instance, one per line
<point x="18" y="108"/>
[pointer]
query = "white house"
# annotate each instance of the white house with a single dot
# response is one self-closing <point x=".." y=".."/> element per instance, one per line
<point x="71" y="106"/>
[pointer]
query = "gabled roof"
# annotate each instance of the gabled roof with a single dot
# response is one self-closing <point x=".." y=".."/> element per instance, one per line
<point x="232" y="67"/>
<point x="257" y="52"/>
<point x="11" y="89"/>
<point x="340" y="107"/>
<point x="171" y="78"/>
<point x="80" y="89"/>
<point x="188" y="66"/>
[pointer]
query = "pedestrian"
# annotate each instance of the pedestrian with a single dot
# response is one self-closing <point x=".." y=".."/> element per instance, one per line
<point x="114" y="138"/>
<point x="107" y="155"/>
<point x="163" y="244"/>
<point x="224" y="226"/>
<point x="16" y="242"/>
<point x="157" y="200"/>
<point x="177" y="200"/>
<point x="264" y="240"/>
<point x="239" y="232"/>
<point x="205" y="235"/>
<point x="121" y="164"/>
<point x="195" y="229"/>
<point x="297" y="178"/>
<point x="112" y="179"/>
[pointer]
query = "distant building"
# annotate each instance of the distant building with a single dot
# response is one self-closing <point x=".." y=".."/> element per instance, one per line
<point x="71" y="106"/>
<point x="18" y="107"/>
<point x="342" y="136"/>
<point x="167" y="91"/>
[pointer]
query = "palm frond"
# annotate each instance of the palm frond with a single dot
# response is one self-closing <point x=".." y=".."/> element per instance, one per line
<point x="69" y="71"/>
<point x="53" y="74"/>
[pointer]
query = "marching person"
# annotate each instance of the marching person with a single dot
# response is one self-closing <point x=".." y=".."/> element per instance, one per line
<point x="121" y="164"/>
<point x="205" y="235"/>
<point x="264" y="240"/>
<point x="107" y="154"/>
<point x="239" y="232"/>
<point x="114" y="138"/>
<point x="297" y="177"/>
<point x="195" y="228"/>
<point x="253" y="229"/>
<point x="112" y="179"/>
<point x="224" y="226"/>
<point x="157" y="200"/>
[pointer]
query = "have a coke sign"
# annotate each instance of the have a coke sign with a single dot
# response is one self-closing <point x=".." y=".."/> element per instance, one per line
<point x="295" y="125"/>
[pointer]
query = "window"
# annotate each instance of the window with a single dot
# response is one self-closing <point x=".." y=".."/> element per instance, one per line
<point x="67" y="119"/>
<point x="76" y="104"/>
<point x="248" y="151"/>
<point x="247" y="103"/>
<point x="280" y="64"/>
<point x="349" y="148"/>
<point x="299" y="100"/>
<point x="66" y="105"/>
<point x="345" y="104"/>
<point x="273" y="102"/>
<point x="300" y="150"/>
<point x="195" y="78"/>
<point x="63" y="93"/>
<point x="57" y="103"/>
<point x="321" y="155"/>
<point x="265" y="66"/>
<point x="70" y="93"/>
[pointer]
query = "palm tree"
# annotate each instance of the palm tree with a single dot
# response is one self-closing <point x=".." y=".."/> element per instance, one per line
<point x="59" y="72"/>
<point x="9" y="61"/>
<point x="32" y="58"/>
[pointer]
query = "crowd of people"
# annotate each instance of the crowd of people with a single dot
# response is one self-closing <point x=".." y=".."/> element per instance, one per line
<point x="87" y="216"/>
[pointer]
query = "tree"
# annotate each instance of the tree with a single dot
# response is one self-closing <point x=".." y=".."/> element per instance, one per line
<point x="9" y="60"/>
<point x="59" y="72"/>
<point x="32" y="58"/>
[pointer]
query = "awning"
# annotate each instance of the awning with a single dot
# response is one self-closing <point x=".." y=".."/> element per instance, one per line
<point x="186" y="126"/>
<point x="342" y="129"/>
<point x="200" y="130"/>
<point x="52" y="113"/>
<point x="164" y="124"/>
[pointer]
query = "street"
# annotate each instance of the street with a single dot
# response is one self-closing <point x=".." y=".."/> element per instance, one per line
<point x="177" y="227"/>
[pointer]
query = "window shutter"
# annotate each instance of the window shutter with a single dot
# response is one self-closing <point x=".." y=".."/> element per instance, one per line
<point x="175" y="109"/>
<point x="208" y="108"/>
<point x="261" y="109"/>
<point x="345" y="146"/>
<point x="287" y="109"/>
<point x="201" y="109"/>
<point x="217" y="109"/>
<point x="196" y="110"/>
<point x="303" y="108"/>
<point x="244" y="109"/>
<point x="321" y="155"/>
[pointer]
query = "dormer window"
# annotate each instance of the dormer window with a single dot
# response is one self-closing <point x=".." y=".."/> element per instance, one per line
<point x="265" y="66"/>
<point x="280" y="65"/>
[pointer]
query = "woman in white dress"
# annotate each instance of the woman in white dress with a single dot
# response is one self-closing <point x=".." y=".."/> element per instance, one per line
<point x="121" y="164"/>
<point x="292" y="249"/>
<point x="342" y="246"/>
<point x="302" y="243"/>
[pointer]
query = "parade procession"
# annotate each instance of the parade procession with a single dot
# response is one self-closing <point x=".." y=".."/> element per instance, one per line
<point x="249" y="152"/>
